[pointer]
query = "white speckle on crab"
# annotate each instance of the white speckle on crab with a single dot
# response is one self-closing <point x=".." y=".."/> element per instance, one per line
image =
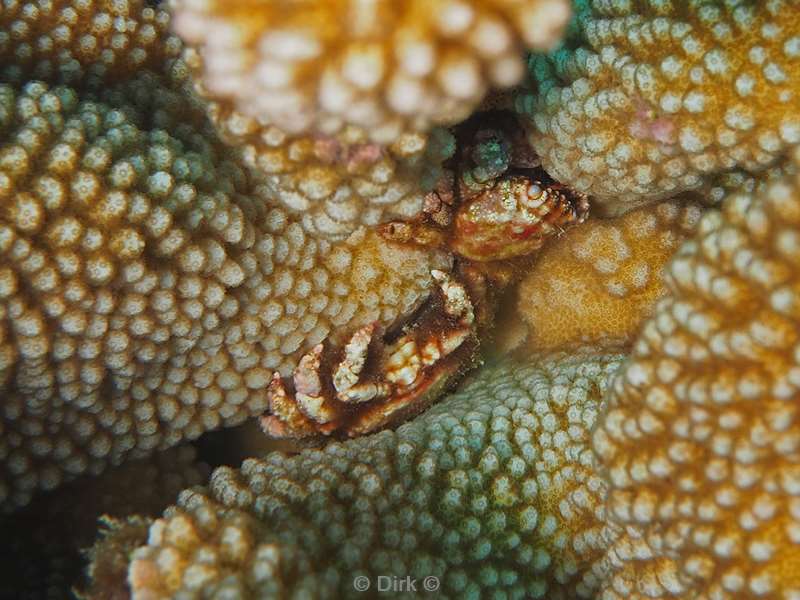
<point x="457" y="303"/>
<point x="308" y="387"/>
<point x="364" y="392"/>
<point x="355" y="355"/>
<point x="452" y="341"/>
<point x="404" y="364"/>
<point x="430" y="353"/>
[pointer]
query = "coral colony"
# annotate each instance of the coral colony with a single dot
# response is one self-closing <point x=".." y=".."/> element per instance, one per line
<point x="368" y="298"/>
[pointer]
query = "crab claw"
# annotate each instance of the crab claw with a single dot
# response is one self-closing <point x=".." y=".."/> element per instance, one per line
<point x="346" y="376"/>
<point x="376" y="382"/>
<point x="285" y="419"/>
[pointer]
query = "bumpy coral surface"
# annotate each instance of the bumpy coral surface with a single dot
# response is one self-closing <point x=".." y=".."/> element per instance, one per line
<point x="598" y="282"/>
<point x="92" y="42"/>
<point x="336" y="183"/>
<point x="387" y="66"/>
<point x="700" y="440"/>
<point x="654" y="97"/>
<point x="492" y="491"/>
<point x="41" y="556"/>
<point x="149" y="284"/>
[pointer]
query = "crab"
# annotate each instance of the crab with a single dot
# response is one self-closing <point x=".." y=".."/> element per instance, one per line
<point x="492" y="209"/>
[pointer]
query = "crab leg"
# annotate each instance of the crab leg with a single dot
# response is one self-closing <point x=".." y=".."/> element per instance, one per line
<point x="456" y="300"/>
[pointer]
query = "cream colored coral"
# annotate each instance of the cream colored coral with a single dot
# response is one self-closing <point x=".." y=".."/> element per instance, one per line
<point x="385" y="66"/>
<point x="598" y="282"/>
<point x="337" y="183"/>
<point x="700" y="439"/>
<point x="492" y="491"/>
<point x="149" y="283"/>
<point x="88" y="41"/>
<point x="657" y="97"/>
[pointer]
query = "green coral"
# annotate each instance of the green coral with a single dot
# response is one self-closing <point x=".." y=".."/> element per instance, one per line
<point x="492" y="491"/>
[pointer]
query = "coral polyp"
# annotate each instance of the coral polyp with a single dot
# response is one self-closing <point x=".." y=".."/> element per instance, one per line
<point x="596" y="283"/>
<point x="389" y="67"/>
<point x="492" y="490"/>
<point x="649" y="98"/>
<point x="699" y="440"/>
<point x="321" y="227"/>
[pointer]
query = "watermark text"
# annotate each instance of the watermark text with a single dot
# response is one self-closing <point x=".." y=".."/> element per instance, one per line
<point x="393" y="584"/>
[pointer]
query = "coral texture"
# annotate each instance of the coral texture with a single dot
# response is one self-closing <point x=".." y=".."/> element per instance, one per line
<point x="41" y="555"/>
<point x="336" y="183"/>
<point x="597" y="283"/>
<point x="109" y="558"/>
<point x="168" y="243"/>
<point x="493" y="491"/>
<point x="90" y="42"/>
<point x="386" y="66"/>
<point x="655" y="97"/>
<point x="700" y="439"/>
<point x="149" y="284"/>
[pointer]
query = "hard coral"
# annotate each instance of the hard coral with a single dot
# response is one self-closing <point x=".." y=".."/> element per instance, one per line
<point x="597" y="283"/>
<point x="42" y="553"/>
<point x="492" y="490"/>
<point x="655" y="97"/>
<point x="89" y="42"/>
<point x="700" y="438"/>
<point x="336" y="183"/>
<point x="149" y="283"/>
<point x="386" y="66"/>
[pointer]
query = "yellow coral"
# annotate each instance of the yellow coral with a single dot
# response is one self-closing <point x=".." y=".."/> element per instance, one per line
<point x="700" y="439"/>
<point x="660" y="96"/>
<point x="150" y="285"/>
<point x="598" y="282"/>
<point x="385" y="66"/>
<point x="64" y="41"/>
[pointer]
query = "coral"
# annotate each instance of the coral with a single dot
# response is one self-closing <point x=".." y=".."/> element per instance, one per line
<point x="336" y="183"/>
<point x="652" y="98"/>
<point x="155" y="280"/>
<point x="493" y="490"/>
<point x="597" y="283"/>
<point x="109" y="557"/>
<point x="385" y="66"/>
<point x="149" y="283"/>
<point x="42" y="551"/>
<point x="700" y="439"/>
<point x="172" y="249"/>
<point x="70" y="42"/>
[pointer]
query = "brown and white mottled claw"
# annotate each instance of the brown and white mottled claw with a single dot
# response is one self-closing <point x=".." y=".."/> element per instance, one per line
<point x="373" y="382"/>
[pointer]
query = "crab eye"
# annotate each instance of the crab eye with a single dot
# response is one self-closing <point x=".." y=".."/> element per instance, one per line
<point x="536" y="196"/>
